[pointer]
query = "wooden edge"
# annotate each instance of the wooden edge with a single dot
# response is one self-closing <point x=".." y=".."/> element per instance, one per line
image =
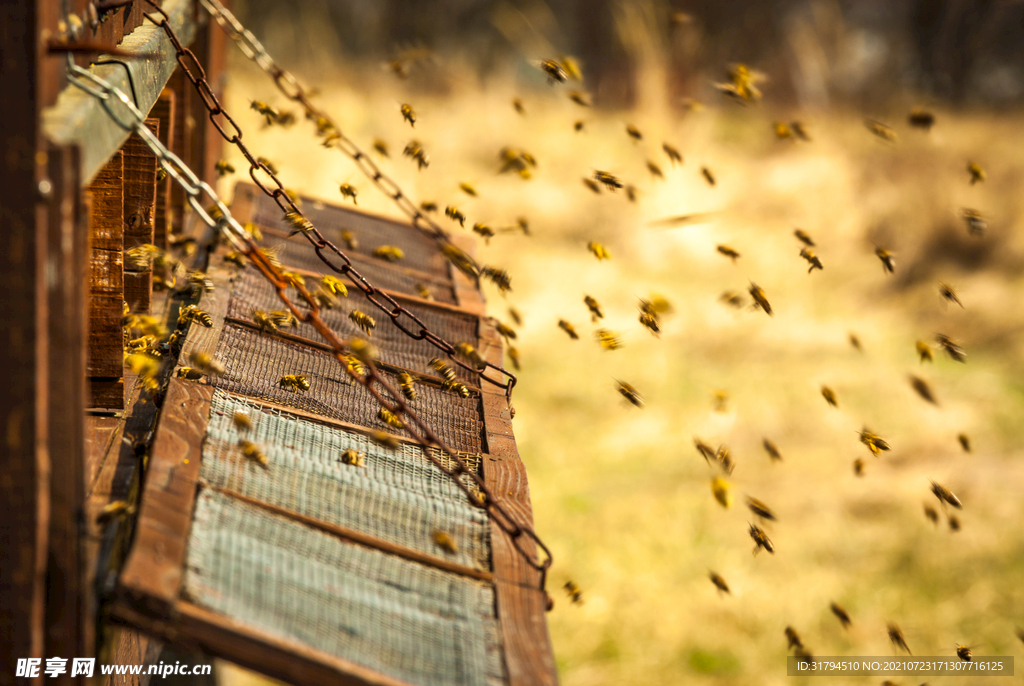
<point x="467" y="293"/>
<point x="201" y="338"/>
<point x="521" y="605"/>
<point x="154" y="568"/>
<point x="275" y="656"/>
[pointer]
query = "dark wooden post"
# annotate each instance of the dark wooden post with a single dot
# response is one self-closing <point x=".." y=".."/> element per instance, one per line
<point x="139" y="201"/>
<point x="163" y="110"/>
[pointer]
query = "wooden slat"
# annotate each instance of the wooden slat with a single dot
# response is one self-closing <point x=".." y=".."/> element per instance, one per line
<point x="154" y="569"/>
<point x="181" y="136"/>
<point x="521" y="605"/>
<point x="164" y="112"/>
<point x="139" y="205"/>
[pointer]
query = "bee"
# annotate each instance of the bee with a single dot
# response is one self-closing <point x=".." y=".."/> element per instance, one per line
<point x="608" y="339"/>
<point x="897" y="638"/>
<point x="389" y="253"/>
<point x="385" y="440"/>
<point x="577" y="126"/>
<point x="189" y="313"/>
<point x="724" y="459"/>
<point x="362" y="350"/>
<point x="241" y="421"/>
<point x="649" y="319"/>
<point x="742" y="84"/>
<point x="267" y="165"/>
<point x="517" y="104"/>
<point x="460" y="260"/>
<point x="674" y="155"/>
<point x="829" y="395"/>
<point x="424" y="292"/>
<point x="363" y="321"/>
<point x="443" y="369"/>
<point x="875" y="443"/>
<point x="888" y="263"/>
<point x="484" y="231"/>
<point x="453" y="213"/>
<point x="720" y="489"/>
<point x="574" y="592"/>
<point x="427" y="206"/>
<point x="324" y="298"/>
<point x="923" y="389"/>
<point x="599" y="251"/>
<point x="390" y="418"/>
<point x="284" y="319"/>
<point x="554" y="71"/>
<point x="569" y="329"/>
<point x="455" y="387"/>
<point x="349" y="191"/>
<point x="931" y="514"/>
<point x="952" y="349"/>
<point x="760" y="300"/>
<point x="580" y="98"/>
<point x="236" y="258"/>
<point x="353" y="457"/>
<point x="205" y="363"/>
<point x="954" y="523"/>
<point x="976" y="172"/>
<point x="731" y="298"/>
<point x="414" y="150"/>
<point x="445" y="542"/>
<point x="965" y="442"/>
<point x="609" y="180"/>
<point x="632" y="193"/>
<point x="524" y="225"/>
<point x="408" y="386"/>
<point x="812" y="259"/>
<point x="469" y="353"/>
<point x="516" y="316"/>
<point x="921" y="119"/>
<point x="947" y="292"/>
<point x="841" y="614"/>
<point x="708" y="176"/>
<point x="976" y="224"/>
<point x="858" y="467"/>
<point x="506" y="331"/>
<point x="251" y="451"/>
<point x="409" y="115"/>
<point x="630" y="393"/>
<point x="264" y="109"/>
<point x="114" y="510"/>
<point x="224" y="168"/>
<point x="468" y="189"/>
<point x="655" y="170"/>
<point x="592" y="185"/>
<point x="800" y="131"/>
<point x="263" y="321"/>
<point x="189" y="373"/>
<point x="499" y="277"/>
<point x="705" y="450"/>
<point x="803" y="654"/>
<point x="782" y="131"/>
<point x="963" y="652"/>
<point x="594" y="307"/>
<point x="728" y="252"/>
<point x="945" y="495"/>
<point x="294" y="383"/>
<point x="855" y="342"/>
<point x="793" y="638"/>
<point x="760" y="509"/>
<point x="381" y="147"/>
<point x="884" y="132"/>
<point x="924" y="351"/>
<point x="804" y="238"/>
<point x="719" y="583"/>
<point x="141" y="257"/>
<point x="721" y="401"/>
<point x="298" y="223"/>
<point x="270" y="255"/>
<point x="773" y="452"/>
<point x="761" y="539"/>
<point x="634" y="132"/>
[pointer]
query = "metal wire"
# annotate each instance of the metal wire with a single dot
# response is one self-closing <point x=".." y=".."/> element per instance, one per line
<point x="121" y="110"/>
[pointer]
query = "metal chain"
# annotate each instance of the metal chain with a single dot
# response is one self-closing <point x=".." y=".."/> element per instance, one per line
<point x="121" y="110"/>
<point x="325" y="249"/>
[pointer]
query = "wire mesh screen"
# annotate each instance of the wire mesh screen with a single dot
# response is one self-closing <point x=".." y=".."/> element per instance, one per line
<point x="299" y="254"/>
<point x="254" y="364"/>
<point x="370" y="232"/>
<point x="251" y="290"/>
<point x="403" y="619"/>
<point x="397" y="495"/>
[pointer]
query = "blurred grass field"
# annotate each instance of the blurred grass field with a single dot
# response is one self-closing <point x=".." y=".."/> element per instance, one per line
<point x="619" y="493"/>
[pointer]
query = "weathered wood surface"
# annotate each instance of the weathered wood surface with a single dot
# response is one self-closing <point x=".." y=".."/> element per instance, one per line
<point x="163" y="213"/>
<point x="139" y="206"/>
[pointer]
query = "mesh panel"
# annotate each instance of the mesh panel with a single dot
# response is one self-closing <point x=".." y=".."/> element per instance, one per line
<point x="421" y="252"/>
<point x="252" y="290"/>
<point x="299" y="254"/>
<point x="254" y="364"/>
<point x="398" y="495"/>
<point x="414" y="623"/>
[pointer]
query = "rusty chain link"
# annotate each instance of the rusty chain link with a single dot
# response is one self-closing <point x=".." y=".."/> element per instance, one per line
<point x="273" y="187"/>
<point x="131" y="119"/>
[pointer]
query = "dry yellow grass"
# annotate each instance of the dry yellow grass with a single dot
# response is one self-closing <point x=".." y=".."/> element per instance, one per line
<point x="619" y="493"/>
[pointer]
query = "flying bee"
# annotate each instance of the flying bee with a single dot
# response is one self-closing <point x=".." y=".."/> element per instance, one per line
<point x="284" y="319"/>
<point x="334" y="286"/>
<point x="224" y="168"/>
<point x="761" y="539"/>
<point x="409" y="115"/>
<point x="569" y="329"/>
<point x="381" y="147"/>
<point x="517" y="104"/>
<point x="724" y="459"/>
<point x="793" y="638"/>
<point x="923" y="389"/>
<point x="349" y="191"/>
<point x="720" y="489"/>
<point x="719" y="583"/>
<point x="708" y="176"/>
<point x="468" y="189"/>
<point x="829" y="395"/>
<point x="414" y="150"/>
<point x="427" y="206"/>
<point x="506" y="331"/>
<point x="731" y="298"/>
<point x="205" y="363"/>
<point x="976" y="224"/>
<point x="608" y="339"/>
<point x="841" y="614"/>
<point x="236" y="258"/>
<point x="728" y="252"/>
<point x="241" y="421"/>
<point x="965" y="442"/>
<point x="599" y="251"/>
<point x="594" y="307"/>
<point x="855" y="342"/>
<point x="363" y="321"/>
<point x="484" y="231"/>
<point x="704" y="449"/>
<point x="921" y="119"/>
<point x="362" y="350"/>
<point x="408" y="386"/>
<point x="353" y="457"/>
<point x="945" y="495"/>
<point x="804" y="238"/>
<point x="742" y="84"/>
<point x="655" y="170"/>
<point x="263" y="321"/>
<point x="513" y="356"/>
<point x="858" y="467"/>
<point x="875" y="443"/>
<point x="470" y="354"/>
<point x="578" y="126"/>
<point x="445" y="542"/>
<point x="516" y="316"/>
<point x="897" y="638"/>
<point x="499" y="277"/>
<point x="931" y="514"/>
<point x="888" y="263"/>
<point x="264" y="109"/>
<point x="649" y="320"/>
<point x="189" y="373"/>
<point x="389" y="253"/>
<point x="976" y="172"/>
<point x="634" y="132"/>
<point x="630" y="393"/>
<point x="554" y="71"/>
<point x="674" y="155"/>
<point x="964" y="652"/>
<point x="952" y="349"/>
<point x="773" y="452"/>
<point x="574" y="592"/>
<point x="592" y="185"/>
<point x="760" y="509"/>
<point x="251" y="451"/>
<point x="443" y="369"/>
<point x="760" y="300"/>
<point x="609" y="180"/>
<point x="453" y="213"/>
<point x="947" y="292"/>
<point x="632" y="193"/>
<point x="298" y="223"/>
<point x="294" y="383"/>
<point x="954" y="523"/>
<point x="390" y="418"/>
<point x="812" y="259"/>
<point x="924" y="351"/>
<point x="884" y="132"/>
<point x="799" y="130"/>
<point x="580" y="98"/>
<point x="385" y="440"/>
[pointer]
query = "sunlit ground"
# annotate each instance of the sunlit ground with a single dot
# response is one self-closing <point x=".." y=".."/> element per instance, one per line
<point x="619" y="493"/>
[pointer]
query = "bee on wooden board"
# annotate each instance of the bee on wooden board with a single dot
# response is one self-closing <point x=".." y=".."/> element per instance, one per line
<point x="294" y="383"/>
<point x="191" y="313"/>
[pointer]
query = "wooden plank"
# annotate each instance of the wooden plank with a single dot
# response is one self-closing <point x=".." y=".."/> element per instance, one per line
<point x="181" y="144"/>
<point x="165" y="113"/>
<point x="106" y="283"/>
<point x="521" y="605"/>
<point x="153" y="572"/>
<point x="201" y="338"/>
<point x="139" y="205"/>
